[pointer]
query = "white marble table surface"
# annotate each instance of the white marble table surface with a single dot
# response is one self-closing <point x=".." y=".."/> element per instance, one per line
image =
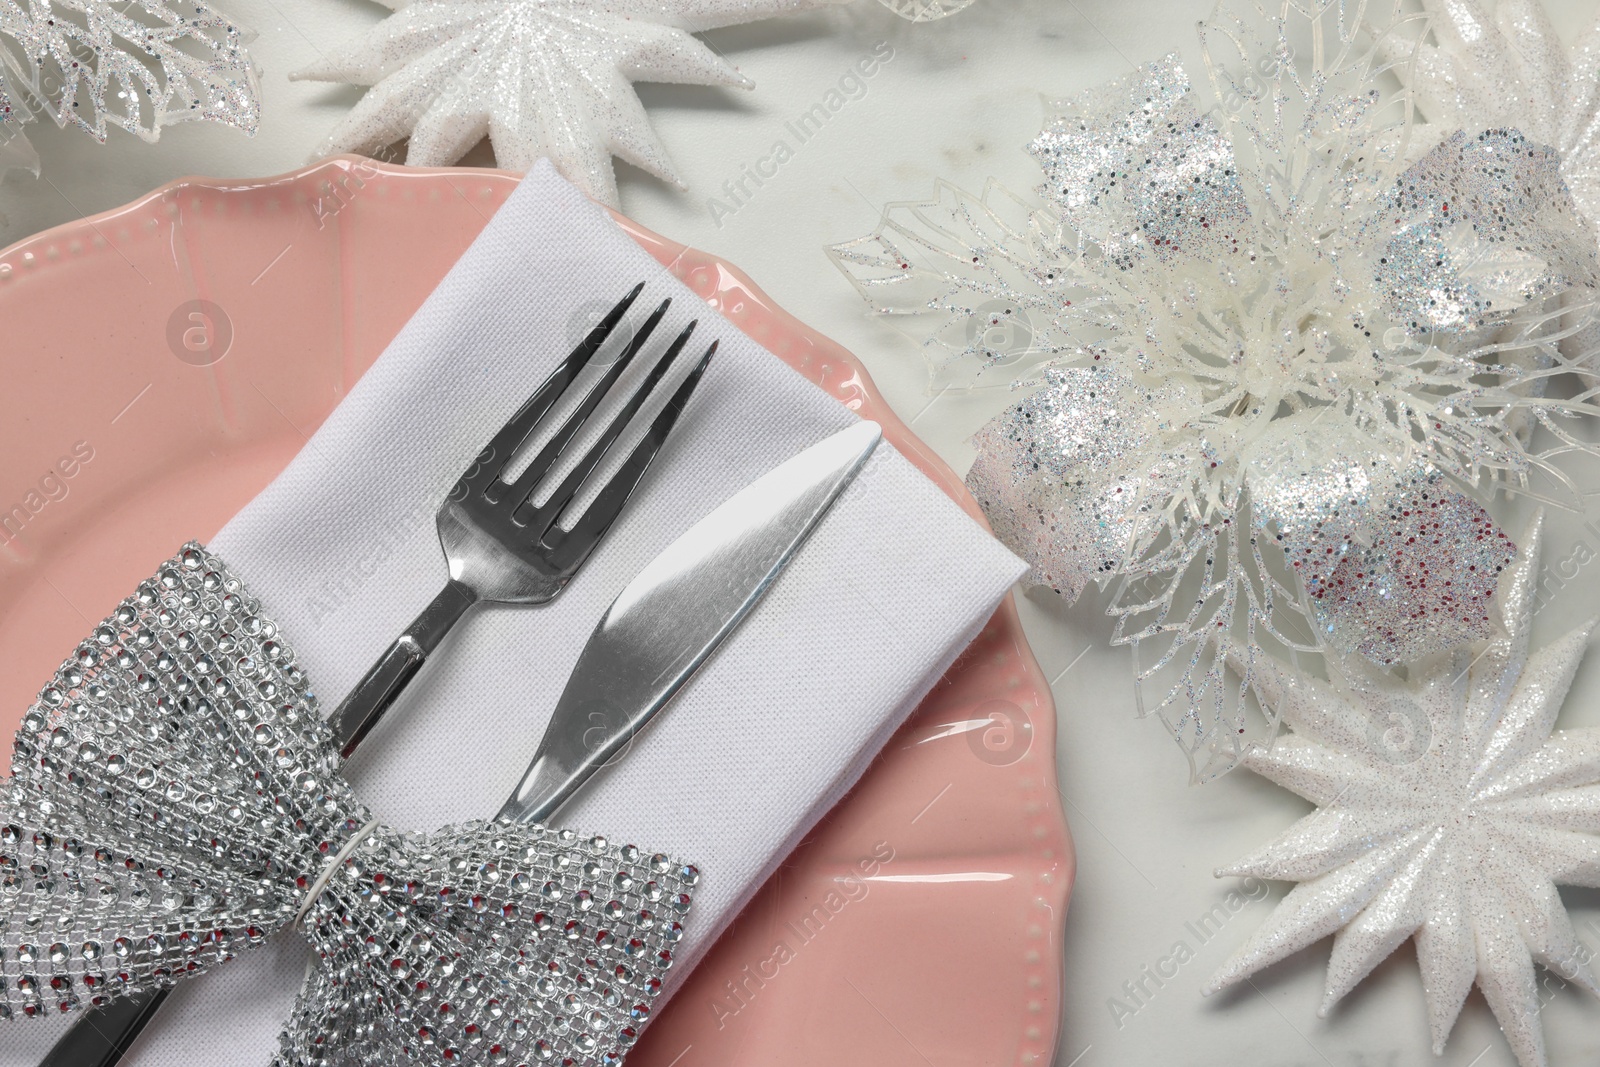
<point x="958" y="100"/>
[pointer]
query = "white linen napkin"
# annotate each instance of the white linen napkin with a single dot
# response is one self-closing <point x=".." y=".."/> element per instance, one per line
<point x="341" y="549"/>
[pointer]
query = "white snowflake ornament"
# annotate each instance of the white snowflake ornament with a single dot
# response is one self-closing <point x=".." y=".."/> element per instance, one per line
<point x="538" y="77"/>
<point x="1447" y="812"/>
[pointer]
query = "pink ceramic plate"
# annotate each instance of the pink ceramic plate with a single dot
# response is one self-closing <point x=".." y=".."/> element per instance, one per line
<point x="164" y="361"/>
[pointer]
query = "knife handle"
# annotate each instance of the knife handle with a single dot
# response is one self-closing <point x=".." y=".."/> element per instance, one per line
<point x="381" y="686"/>
<point x="101" y="1037"/>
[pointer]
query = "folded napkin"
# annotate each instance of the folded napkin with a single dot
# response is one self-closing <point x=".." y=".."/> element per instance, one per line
<point x="764" y="740"/>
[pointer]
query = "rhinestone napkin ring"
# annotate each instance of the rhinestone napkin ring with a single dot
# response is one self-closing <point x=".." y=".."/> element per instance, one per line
<point x="176" y="798"/>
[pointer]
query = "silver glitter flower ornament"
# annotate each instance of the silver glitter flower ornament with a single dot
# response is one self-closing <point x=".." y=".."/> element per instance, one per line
<point x="1447" y="811"/>
<point x="140" y="65"/>
<point x="175" y="799"/>
<point x="1273" y="356"/>
<point x="540" y="78"/>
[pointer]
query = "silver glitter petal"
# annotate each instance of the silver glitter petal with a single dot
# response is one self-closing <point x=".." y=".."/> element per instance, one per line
<point x="1424" y="580"/>
<point x="140" y="65"/>
<point x="1448" y="811"/>
<point x="174" y="798"/>
<point x="1503" y="64"/>
<point x="1395" y="564"/>
<point x="1476" y="229"/>
<point x="1314" y="484"/>
<point x="1134" y="166"/>
<point x="1073" y="477"/>
<point x="539" y="78"/>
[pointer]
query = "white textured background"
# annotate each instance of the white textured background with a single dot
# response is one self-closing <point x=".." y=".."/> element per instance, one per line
<point x="959" y="100"/>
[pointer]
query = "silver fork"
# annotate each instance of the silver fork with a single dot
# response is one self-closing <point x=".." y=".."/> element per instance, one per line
<point x="502" y="545"/>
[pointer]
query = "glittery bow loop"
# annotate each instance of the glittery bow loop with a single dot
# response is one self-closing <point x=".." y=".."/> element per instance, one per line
<point x="485" y="943"/>
<point x="175" y="798"/>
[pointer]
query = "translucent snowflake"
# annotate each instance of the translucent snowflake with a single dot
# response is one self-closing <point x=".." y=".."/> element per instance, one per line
<point x="140" y="65"/>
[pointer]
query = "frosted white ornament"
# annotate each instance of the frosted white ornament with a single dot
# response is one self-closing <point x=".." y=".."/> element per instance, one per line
<point x="538" y="77"/>
<point x="1275" y="367"/>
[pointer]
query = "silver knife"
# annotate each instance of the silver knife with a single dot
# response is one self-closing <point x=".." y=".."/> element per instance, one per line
<point x="660" y="628"/>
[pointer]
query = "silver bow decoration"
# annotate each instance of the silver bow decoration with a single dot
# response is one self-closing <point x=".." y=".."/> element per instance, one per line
<point x="176" y="798"/>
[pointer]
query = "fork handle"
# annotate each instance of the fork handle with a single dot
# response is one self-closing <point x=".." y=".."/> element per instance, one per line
<point x="100" y="1038"/>
<point x="388" y="678"/>
<point x="115" y="1026"/>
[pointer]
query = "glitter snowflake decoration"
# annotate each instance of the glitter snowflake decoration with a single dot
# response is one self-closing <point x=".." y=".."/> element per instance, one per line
<point x="140" y="65"/>
<point x="1447" y="812"/>
<point x="538" y="77"/>
<point x="1273" y="355"/>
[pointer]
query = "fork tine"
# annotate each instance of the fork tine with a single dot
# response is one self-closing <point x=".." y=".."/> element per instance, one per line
<point x="539" y="519"/>
<point x="517" y="492"/>
<point x="487" y="465"/>
<point x="576" y="544"/>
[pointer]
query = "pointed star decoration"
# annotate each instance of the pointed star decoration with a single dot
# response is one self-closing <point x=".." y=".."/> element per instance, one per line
<point x="539" y="77"/>
<point x="1447" y="812"/>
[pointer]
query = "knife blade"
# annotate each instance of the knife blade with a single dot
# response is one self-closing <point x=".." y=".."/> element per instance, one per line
<point x="651" y="640"/>
<point x="670" y="618"/>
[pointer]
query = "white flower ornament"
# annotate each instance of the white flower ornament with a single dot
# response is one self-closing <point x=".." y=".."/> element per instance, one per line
<point x="1279" y="356"/>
